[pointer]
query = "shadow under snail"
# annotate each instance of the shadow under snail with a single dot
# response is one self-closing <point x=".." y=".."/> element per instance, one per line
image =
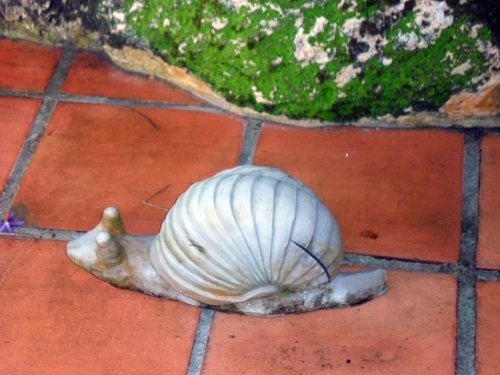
<point x="250" y="240"/>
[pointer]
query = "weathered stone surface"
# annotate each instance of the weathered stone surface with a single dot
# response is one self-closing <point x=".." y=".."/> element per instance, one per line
<point x="485" y="102"/>
<point x="338" y="60"/>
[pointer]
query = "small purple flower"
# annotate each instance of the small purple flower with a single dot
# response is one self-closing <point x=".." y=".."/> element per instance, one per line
<point x="11" y="223"/>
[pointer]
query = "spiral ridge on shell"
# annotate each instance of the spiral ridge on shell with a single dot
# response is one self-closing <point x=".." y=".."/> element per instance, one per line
<point x="247" y="232"/>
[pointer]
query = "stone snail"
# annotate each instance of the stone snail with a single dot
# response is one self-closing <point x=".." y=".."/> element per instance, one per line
<point x="250" y="240"/>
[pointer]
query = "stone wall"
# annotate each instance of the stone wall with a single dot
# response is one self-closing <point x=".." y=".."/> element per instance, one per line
<point x="327" y="60"/>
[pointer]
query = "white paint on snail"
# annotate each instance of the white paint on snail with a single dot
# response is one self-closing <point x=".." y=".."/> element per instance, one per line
<point x="217" y="249"/>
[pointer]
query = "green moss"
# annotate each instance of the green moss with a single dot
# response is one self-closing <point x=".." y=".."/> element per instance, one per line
<point x="421" y="79"/>
<point x="249" y="56"/>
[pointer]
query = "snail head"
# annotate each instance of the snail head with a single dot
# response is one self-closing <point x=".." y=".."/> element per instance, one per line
<point x="99" y="250"/>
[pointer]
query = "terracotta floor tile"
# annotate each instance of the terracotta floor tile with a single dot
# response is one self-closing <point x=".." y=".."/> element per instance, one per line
<point x="93" y="75"/>
<point x="488" y="328"/>
<point x="58" y="319"/>
<point x="488" y="255"/>
<point x="26" y="66"/>
<point x="410" y="330"/>
<point x="395" y="193"/>
<point x="93" y="156"/>
<point x="16" y="118"/>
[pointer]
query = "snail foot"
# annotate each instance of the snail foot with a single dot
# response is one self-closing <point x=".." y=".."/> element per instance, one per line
<point x="354" y="288"/>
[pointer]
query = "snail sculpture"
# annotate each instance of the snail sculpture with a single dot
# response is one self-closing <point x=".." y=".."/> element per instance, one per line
<point x="250" y="240"/>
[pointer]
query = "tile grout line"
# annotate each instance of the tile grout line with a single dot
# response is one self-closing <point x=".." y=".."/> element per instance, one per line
<point x="119" y="102"/>
<point x="61" y="72"/>
<point x="251" y="137"/>
<point x="36" y="132"/>
<point x="25" y="156"/>
<point x="351" y="259"/>
<point x="210" y="108"/>
<point x="200" y="344"/>
<point x="6" y="93"/>
<point x="87" y="99"/>
<point x="488" y="275"/>
<point x="45" y="234"/>
<point x="467" y="273"/>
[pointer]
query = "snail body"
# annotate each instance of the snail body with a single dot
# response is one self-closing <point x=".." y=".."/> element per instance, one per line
<point x="249" y="239"/>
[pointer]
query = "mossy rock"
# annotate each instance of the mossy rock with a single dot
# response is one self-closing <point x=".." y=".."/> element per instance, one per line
<point x="332" y="60"/>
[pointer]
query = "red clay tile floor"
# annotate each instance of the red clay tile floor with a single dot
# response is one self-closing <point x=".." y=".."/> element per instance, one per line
<point x="78" y="134"/>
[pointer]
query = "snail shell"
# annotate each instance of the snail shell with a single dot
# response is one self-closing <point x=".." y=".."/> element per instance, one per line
<point x="247" y="232"/>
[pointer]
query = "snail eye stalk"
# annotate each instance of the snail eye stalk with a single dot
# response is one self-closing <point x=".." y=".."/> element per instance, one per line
<point x="109" y="250"/>
<point x="112" y="222"/>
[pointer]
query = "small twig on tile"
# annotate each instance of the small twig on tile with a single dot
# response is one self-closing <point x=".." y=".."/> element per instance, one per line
<point x="147" y="203"/>
<point x="151" y="122"/>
